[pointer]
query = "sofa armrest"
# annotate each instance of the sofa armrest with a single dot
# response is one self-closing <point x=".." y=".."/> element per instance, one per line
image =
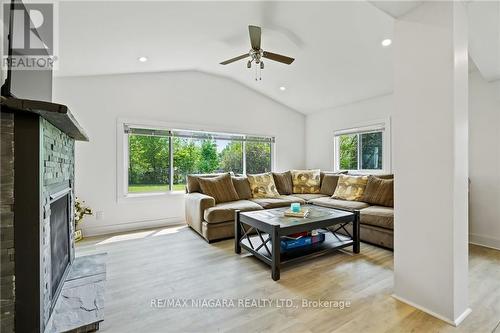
<point x="195" y="205"/>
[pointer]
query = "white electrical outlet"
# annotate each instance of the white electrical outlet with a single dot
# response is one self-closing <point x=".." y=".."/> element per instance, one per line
<point x="99" y="215"/>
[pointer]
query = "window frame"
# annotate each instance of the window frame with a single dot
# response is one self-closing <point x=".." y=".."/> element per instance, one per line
<point x="381" y="125"/>
<point x="123" y="153"/>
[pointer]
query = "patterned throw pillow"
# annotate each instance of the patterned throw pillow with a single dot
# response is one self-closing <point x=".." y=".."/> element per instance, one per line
<point x="350" y="188"/>
<point x="262" y="185"/>
<point x="306" y="181"/>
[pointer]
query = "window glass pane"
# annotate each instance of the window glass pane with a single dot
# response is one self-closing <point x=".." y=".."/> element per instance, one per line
<point x="186" y="160"/>
<point x="204" y="156"/>
<point x="148" y="163"/>
<point x="371" y="151"/>
<point x="258" y="157"/>
<point x="230" y="155"/>
<point x="209" y="158"/>
<point x="348" y="152"/>
<point x="193" y="152"/>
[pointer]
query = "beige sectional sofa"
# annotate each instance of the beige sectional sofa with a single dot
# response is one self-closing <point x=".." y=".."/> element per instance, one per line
<point x="216" y="221"/>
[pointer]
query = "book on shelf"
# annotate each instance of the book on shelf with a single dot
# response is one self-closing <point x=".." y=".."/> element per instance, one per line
<point x="287" y="244"/>
<point x="297" y="235"/>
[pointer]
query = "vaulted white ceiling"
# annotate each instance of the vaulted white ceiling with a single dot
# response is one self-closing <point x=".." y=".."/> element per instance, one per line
<point x="483" y="26"/>
<point x="339" y="58"/>
<point x="396" y="8"/>
<point x="484" y="37"/>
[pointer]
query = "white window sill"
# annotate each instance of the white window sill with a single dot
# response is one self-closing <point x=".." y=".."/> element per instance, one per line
<point x="148" y="196"/>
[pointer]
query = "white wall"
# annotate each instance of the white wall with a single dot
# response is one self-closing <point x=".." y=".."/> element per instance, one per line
<point x="484" y="165"/>
<point x="194" y="99"/>
<point x="320" y="127"/>
<point x="430" y="129"/>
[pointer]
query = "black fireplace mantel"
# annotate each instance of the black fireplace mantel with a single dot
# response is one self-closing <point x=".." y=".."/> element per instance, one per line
<point x="58" y="115"/>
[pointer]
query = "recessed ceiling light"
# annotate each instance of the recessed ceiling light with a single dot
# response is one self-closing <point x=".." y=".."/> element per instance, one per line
<point x="386" y="42"/>
<point x="142" y="59"/>
<point x="282" y="88"/>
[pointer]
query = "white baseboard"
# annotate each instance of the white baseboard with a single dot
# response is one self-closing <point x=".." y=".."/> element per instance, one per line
<point x="486" y="241"/>
<point x="454" y="322"/>
<point x="462" y="317"/>
<point x="104" y="229"/>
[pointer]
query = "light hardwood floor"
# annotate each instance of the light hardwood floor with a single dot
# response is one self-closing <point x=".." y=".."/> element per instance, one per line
<point x="176" y="263"/>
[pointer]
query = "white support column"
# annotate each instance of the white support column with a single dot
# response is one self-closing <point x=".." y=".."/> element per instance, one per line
<point x="430" y="141"/>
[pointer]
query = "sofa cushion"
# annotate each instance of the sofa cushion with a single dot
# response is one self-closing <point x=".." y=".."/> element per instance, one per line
<point x="329" y="184"/>
<point x="350" y="187"/>
<point x="341" y="204"/>
<point x="223" y="212"/>
<point x="281" y="201"/>
<point x="379" y="191"/>
<point x="262" y="185"/>
<point x="378" y="216"/>
<point x="308" y="197"/>
<point x="242" y="187"/>
<point x="283" y="181"/>
<point x="220" y="188"/>
<point x="373" y="235"/>
<point x="192" y="184"/>
<point x="306" y="181"/>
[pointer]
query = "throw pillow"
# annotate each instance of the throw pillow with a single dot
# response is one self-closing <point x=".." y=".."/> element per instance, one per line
<point x="220" y="188"/>
<point x="263" y="186"/>
<point x="323" y="173"/>
<point x="350" y="188"/>
<point x="306" y="181"/>
<point x="329" y="183"/>
<point x="242" y="187"/>
<point x="192" y="184"/>
<point x="379" y="191"/>
<point x="388" y="176"/>
<point x="283" y="182"/>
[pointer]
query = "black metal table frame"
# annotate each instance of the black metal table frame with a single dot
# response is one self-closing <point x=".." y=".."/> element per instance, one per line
<point x="275" y="232"/>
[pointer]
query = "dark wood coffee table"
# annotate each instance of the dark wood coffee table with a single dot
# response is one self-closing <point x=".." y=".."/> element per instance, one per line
<point x="270" y="225"/>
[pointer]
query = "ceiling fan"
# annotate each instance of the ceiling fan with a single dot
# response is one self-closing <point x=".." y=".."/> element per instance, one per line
<point x="256" y="53"/>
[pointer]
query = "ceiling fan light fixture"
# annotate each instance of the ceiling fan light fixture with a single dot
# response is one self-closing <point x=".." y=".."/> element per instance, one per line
<point x="257" y="54"/>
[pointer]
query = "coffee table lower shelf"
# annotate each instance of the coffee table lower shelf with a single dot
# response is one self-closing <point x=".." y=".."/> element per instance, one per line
<point x="331" y="244"/>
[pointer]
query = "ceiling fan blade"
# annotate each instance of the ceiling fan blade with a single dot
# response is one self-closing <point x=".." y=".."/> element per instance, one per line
<point x="255" y="34"/>
<point x="278" y="57"/>
<point x="234" y="59"/>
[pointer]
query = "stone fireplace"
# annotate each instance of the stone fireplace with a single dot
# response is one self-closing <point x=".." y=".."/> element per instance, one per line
<point x="38" y="207"/>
